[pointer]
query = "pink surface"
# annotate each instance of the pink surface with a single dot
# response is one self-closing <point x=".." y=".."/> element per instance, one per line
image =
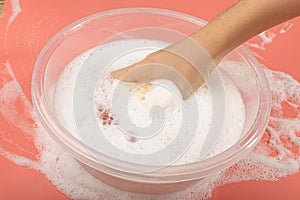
<point x="22" y="41"/>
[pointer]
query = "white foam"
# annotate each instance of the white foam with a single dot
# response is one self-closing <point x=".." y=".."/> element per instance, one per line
<point x="16" y="9"/>
<point x="285" y="27"/>
<point x="70" y="178"/>
<point x="267" y="37"/>
<point x="139" y="109"/>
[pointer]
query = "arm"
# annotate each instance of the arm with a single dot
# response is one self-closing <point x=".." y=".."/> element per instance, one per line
<point x="241" y="22"/>
<point x="225" y="32"/>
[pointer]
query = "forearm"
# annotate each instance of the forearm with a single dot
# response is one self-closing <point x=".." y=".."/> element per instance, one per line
<point x="242" y="21"/>
<point x="224" y="33"/>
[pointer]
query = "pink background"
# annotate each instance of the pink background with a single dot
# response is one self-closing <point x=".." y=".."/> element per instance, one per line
<point x="40" y="20"/>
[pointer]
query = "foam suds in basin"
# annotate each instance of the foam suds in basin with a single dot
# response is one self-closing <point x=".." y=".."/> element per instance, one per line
<point x="142" y="99"/>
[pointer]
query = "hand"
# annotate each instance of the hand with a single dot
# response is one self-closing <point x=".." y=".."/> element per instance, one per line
<point x="228" y="30"/>
<point x="185" y="63"/>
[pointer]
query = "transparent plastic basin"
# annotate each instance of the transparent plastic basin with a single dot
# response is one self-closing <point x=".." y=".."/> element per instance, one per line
<point x="103" y="27"/>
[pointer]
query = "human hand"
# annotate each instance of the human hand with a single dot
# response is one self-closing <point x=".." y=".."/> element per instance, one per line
<point x="185" y="63"/>
<point x="188" y="65"/>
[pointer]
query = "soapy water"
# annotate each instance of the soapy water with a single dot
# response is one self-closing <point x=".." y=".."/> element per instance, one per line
<point x="276" y="155"/>
<point x="142" y="100"/>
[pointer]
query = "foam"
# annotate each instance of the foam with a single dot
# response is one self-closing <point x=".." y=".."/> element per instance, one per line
<point x="267" y="37"/>
<point x="141" y="103"/>
<point x="16" y="9"/>
<point x="268" y="161"/>
<point x="285" y="27"/>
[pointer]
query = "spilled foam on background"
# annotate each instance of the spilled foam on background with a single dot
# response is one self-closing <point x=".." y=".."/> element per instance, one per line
<point x="24" y="141"/>
<point x="16" y="9"/>
<point x="267" y="37"/>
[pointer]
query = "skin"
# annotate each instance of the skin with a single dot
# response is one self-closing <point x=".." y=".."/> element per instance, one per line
<point x="224" y="33"/>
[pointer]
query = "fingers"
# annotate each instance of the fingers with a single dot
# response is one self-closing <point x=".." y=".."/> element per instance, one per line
<point x="163" y="65"/>
<point x="141" y="71"/>
<point x="123" y="75"/>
